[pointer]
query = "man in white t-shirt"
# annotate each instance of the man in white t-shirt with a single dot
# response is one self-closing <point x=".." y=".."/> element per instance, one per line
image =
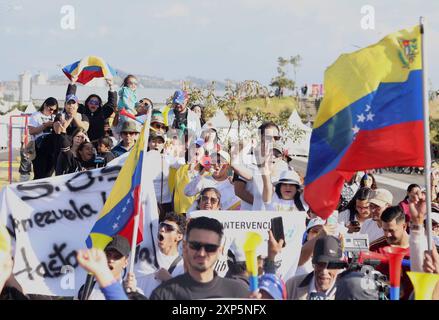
<point x="171" y="231"/>
<point x="379" y="201"/>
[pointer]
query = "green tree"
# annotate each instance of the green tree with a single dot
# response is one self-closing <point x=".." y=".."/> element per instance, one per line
<point x="235" y="95"/>
<point x="281" y="81"/>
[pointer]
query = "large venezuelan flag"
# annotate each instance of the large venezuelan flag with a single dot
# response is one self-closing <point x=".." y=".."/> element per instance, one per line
<point x="371" y="117"/>
<point x="123" y="204"/>
<point x="89" y="68"/>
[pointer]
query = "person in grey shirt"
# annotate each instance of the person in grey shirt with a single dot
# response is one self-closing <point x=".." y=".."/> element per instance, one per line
<point x="201" y="250"/>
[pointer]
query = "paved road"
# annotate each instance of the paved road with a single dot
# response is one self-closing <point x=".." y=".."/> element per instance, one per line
<point x="396" y="183"/>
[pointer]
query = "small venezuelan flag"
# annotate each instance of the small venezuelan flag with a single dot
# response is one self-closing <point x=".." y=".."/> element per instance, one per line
<point x="89" y="68"/>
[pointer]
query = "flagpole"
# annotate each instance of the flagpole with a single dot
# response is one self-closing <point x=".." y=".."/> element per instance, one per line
<point x="139" y="202"/>
<point x="427" y="151"/>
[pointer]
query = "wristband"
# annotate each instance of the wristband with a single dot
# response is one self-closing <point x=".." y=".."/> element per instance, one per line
<point x="415" y="226"/>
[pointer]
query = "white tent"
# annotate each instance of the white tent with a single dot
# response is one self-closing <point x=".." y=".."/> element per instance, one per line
<point x="300" y="147"/>
<point x="30" y="108"/>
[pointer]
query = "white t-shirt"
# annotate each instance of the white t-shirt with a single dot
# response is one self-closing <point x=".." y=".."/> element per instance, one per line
<point x="250" y="187"/>
<point x="147" y="283"/>
<point x="229" y="200"/>
<point x="371" y="228"/>
<point x="37" y="119"/>
<point x="278" y="204"/>
<point x="344" y="217"/>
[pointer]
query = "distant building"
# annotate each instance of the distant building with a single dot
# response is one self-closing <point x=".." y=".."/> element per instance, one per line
<point x="24" y="87"/>
<point x="2" y="90"/>
<point x="41" y="79"/>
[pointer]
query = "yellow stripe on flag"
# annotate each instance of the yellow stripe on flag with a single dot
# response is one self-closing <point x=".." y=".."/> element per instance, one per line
<point x="378" y="63"/>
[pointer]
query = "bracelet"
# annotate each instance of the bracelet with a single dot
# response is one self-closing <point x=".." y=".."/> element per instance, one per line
<point x="415" y="226"/>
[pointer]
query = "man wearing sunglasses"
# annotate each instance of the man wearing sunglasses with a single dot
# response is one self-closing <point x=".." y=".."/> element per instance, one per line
<point x="320" y="283"/>
<point x="169" y="259"/>
<point x="201" y="250"/>
<point x="248" y="183"/>
<point x="73" y="118"/>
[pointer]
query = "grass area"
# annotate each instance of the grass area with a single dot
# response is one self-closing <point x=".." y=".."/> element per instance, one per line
<point x="272" y="105"/>
<point x="4" y="173"/>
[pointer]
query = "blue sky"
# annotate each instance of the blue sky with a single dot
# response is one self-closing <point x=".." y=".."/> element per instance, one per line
<point x="217" y="39"/>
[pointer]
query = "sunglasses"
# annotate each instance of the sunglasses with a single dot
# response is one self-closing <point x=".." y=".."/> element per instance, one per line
<point x="210" y="248"/>
<point x="157" y="125"/>
<point x="113" y="254"/>
<point x="94" y="102"/>
<point x="207" y="199"/>
<point x="167" y="227"/>
<point x="130" y="133"/>
<point x="275" y="138"/>
<point x="51" y="110"/>
<point x="144" y="101"/>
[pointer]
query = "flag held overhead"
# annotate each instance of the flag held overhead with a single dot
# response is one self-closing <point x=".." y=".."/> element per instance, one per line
<point x="89" y="68"/>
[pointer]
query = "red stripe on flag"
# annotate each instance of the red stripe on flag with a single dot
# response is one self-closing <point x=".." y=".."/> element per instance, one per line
<point x="399" y="145"/>
<point x="87" y="75"/>
<point x="127" y="231"/>
<point x="323" y="194"/>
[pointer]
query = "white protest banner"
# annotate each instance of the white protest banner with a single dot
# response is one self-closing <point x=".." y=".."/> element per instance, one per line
<point x="50" y="220"/>
<point x="237" y="223"/>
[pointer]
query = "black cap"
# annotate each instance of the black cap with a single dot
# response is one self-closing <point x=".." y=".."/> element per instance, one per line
<point x="327" y="249"/>
<point x="120" y="244"/>
<point x="355" y="285"/>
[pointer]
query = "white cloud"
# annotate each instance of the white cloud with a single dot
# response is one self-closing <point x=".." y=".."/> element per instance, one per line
<point x="175" y="10"/>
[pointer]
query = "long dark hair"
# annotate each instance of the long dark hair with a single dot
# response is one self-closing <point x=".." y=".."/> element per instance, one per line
<point x="296" y="199"/>
<point x="78" y="130"/>
<point x="49" y="102"/>
<point x="410" y="188"/>
<point x="374" y="184"/>
<point x="362" y="194"/>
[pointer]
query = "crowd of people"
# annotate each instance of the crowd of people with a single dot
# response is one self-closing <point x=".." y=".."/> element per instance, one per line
<point x="200" y="172"/>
